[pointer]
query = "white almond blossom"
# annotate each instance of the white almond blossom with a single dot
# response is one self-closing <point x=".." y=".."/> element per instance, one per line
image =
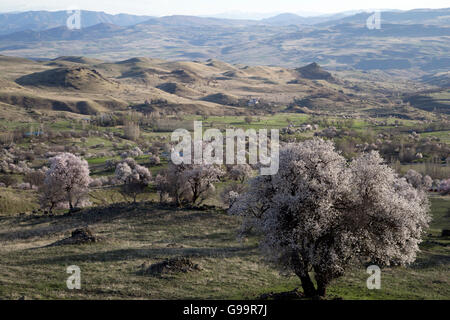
<point x="320" y="213"/>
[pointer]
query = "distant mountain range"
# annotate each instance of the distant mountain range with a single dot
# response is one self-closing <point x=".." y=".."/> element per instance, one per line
<point x="416" y="16"/>
<point x="415" y="41"/>
<point x="42" y="20"/>
<point x="285" y="19"/>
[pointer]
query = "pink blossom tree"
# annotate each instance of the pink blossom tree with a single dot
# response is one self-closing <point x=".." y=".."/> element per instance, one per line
<point x="417" y="180"/>
<point x="322" y="214"/>
<point x="163" y="186"/>
<point x="444" y="187"/>
<point x="66" y="182"/>
<point x="133" y="177"/>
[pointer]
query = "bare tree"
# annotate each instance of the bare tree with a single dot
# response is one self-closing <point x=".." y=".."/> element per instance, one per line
<point x="231" y="193"/>
<point x="131" y="130"/>
<point x="240" y="172"/>
<point x="35" y="178"/>
<point x="248" y="120"/>
<point x="189" y="183"/>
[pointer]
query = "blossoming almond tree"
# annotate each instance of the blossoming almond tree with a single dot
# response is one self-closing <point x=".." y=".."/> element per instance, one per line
<point x="321" y="214"/>
<point x="444" y="187"/>
<point x="417" y="180"/>
<point x="134" y="178"/>
<point x="66" y="181"/>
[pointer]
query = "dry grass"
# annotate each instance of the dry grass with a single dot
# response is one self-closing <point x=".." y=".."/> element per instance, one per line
<point x="17" y="201"/>
<point x="88" y="86"/>
<point x="148" y="233"/>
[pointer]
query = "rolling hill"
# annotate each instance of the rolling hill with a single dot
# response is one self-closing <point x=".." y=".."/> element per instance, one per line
<point x="79" y="78"/>
<point x="87" y="85"/>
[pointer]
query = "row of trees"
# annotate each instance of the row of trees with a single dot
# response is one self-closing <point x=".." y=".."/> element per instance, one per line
<point x="66" y="183"/>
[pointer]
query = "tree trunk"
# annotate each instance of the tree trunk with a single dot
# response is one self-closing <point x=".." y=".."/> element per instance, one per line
<point x="177" y="199"/>
<point x="321" y="289"/>
<point x="322" y="282"/>
<point x="69" y="196"/>
<point x="194" y="198"/>
<point x="195" y="194"/>
<point x="308" y="286"/>
<point x="301" y="270"/>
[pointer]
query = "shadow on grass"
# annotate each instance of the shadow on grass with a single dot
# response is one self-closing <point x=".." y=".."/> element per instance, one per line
<point x="42" y="226"/>
<point x="222" y="236"/>
<point x="431" y="260"/>
<point x="149" y="253"/>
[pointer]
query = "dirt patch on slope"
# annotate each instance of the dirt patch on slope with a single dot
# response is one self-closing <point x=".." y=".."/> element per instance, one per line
<point x="170" y="266"/>
<point x="79" y="236"/>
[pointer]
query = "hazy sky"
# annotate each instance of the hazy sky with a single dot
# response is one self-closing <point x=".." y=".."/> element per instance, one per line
<point x="205" y="7"/>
